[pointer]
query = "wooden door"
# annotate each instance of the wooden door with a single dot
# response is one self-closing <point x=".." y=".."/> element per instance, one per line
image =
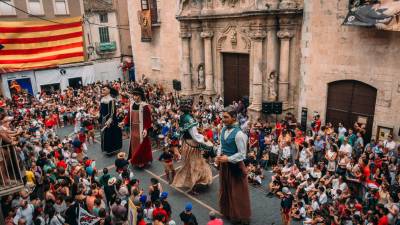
<point x="236" y="77"/>
<point x="348" y="102"/>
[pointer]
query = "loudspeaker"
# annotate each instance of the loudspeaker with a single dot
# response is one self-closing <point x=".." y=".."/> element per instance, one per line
<point x="267" y="107"/>
<point x="277" y="107"/>
<point x="176" y="85"/>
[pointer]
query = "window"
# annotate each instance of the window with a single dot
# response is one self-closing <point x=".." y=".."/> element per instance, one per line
<point x="60" y="7"/>
<point x="104" y="35"/>
<point x="103" y="18"/>
<point x="7" y="9"/>
<point x="35" y="7"/>
<point x="145" y="4"/>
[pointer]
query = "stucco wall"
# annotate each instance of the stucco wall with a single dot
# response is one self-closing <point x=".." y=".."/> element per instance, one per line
<point x="166" y="44"/>
<point x="333" y="52"/>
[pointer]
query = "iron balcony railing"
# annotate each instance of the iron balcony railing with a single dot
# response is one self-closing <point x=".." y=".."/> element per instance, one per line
<point x="106" y="47"/>
<point x="10" y="171"/>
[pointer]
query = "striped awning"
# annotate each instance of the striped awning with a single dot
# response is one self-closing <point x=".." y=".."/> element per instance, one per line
<point x="40" y="44"/>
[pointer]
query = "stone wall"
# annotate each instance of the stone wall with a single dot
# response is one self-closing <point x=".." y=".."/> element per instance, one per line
<point x="159" y="59"/>
<point x="332" y="52"/>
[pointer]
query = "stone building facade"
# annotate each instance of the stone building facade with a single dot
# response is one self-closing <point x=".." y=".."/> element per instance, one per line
<point x="336" y="58"/>
<point x="293" y="51"/>
<point x="242" y="49"/>
<point x="263" y="34"/>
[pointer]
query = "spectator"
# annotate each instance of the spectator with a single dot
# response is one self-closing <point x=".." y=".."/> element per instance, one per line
<point x="187" y="217"/>
<point x="214" y="220"/>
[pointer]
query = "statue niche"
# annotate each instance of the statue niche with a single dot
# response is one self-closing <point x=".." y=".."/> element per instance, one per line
<point x="271" y="86"/>
<point x="200" y="76"/>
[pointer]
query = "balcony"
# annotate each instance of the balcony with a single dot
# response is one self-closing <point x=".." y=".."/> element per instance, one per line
<point x="10" y="171"/>
<point x="106" y="47"/>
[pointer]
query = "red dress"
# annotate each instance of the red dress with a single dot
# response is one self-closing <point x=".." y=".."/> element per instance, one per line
<point x="140" y="152"/>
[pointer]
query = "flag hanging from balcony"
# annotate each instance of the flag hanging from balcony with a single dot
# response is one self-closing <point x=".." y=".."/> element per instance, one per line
<point x="40" y="44"/>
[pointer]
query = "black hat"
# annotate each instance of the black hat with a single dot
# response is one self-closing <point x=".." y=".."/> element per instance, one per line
<point x="186" y="104"/>
<point x="138" y="91"/>
<point x="113" y="91"/>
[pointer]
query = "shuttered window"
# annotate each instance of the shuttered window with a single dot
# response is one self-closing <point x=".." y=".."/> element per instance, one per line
<point x="145" y="4"/>
<point x="104" y="35"/>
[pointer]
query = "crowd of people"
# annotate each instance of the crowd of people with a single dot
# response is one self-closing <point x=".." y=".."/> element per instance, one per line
<point x="327" y="175"/>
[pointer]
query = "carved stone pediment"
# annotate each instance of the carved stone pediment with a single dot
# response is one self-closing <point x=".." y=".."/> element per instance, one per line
<point x="188" y="8"/>
<point x="231" y="3"/>
<point x="233" y="38"/>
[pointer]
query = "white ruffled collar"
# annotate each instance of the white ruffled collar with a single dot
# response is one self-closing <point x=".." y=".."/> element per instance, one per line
<point x="106" y="99"/>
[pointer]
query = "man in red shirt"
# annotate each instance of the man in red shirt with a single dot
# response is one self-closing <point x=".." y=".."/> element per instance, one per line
<point x="214" y="220"/>
<point x="383" y="218"/>
<point x="159" y="210"/>
<point x="61" y="162"/>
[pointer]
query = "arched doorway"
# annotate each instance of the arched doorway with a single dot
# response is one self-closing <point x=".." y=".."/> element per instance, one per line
<point x="351" y="101"/>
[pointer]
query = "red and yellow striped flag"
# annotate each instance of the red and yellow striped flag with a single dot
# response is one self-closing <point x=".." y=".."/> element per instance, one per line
<point x="40" y="44"/>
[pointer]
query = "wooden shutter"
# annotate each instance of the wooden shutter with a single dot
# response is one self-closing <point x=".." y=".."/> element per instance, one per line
<point x="153" y="11"/>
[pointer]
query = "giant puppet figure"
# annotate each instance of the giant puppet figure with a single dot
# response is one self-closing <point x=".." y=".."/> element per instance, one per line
<point x="195" y="170"/>
<point x="234" y="199"/>
<point x="111" y="134"/>
<point x="139" y="118"/>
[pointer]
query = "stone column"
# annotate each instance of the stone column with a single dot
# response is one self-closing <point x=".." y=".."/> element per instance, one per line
<point x="285" y="37"/>
<point x="208" y="62"/>
<point x="272" y="55"/>
<point x="257" y="38"/>
<point x="186" y="77"/>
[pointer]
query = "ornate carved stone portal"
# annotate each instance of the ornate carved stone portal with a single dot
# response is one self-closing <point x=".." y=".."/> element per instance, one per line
<point x="267" y="31"/>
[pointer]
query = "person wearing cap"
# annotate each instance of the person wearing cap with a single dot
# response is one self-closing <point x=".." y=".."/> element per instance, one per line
<point x="111" y="134"/>
<point x="139" y="118"/>
<point x="187" y="216"/>
<point x="232" y="171"/>
<point x="120" y="163"/>
<point x="110" y="191"/>
<point x="286" y="205"/>
<point x="195" y="170"/>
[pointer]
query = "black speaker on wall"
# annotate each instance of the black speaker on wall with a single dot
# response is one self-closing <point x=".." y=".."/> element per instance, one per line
<point x="277" y="107"/>
<point x="176" y="84"/>
<point x="267" y="107"/>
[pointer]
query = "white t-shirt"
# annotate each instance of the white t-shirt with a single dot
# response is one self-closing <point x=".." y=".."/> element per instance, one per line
<point x="346" y="148"/>
<point x="25" y="213"/>
<point x="286" y="152"/>
<point x="341" y="131"/>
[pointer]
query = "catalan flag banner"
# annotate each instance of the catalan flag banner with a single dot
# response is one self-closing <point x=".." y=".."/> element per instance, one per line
<point x="40" y="44"/>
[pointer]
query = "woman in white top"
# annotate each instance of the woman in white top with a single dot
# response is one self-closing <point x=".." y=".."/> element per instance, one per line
<point x="331" y="156"/>
<point x="305" y="156"/>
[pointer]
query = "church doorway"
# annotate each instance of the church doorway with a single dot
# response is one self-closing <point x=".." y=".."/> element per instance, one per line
<point x="350" y="102"/>
<point x="236" y="77"/>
